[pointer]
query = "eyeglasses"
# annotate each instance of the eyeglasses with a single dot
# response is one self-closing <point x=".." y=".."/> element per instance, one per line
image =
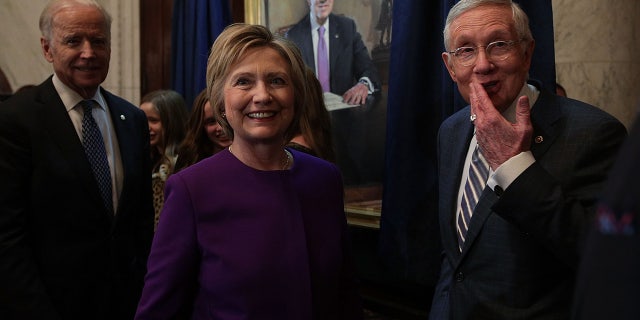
<point x="496" y="51"/>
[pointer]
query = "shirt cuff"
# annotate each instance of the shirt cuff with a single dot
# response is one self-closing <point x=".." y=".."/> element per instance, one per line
<point x="367" y="82"/>
<point x="506" y="173"/>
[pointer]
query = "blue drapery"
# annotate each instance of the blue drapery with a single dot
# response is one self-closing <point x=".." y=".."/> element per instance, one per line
<point x="196" y="24"/>
<point x="421" y="95"/>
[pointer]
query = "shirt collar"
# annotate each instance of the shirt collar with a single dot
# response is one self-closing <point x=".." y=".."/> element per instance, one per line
<point x="527" y="90"/>
<point x="70" y="98"/>
<point x="315" y="25"/>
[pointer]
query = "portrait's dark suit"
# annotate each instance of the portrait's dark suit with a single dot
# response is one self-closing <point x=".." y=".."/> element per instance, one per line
<point x="62" y="255"/>
<point x="349" y="58"/>
<point x="521" y="253"/>
<point x="608" y="284"/>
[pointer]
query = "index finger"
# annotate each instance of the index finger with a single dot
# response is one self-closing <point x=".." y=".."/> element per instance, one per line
<point x="481" y="105"/>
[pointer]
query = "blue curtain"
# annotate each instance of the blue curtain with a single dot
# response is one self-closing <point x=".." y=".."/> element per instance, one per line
<point x="421" y="95"/>
<point x="196" y="24"/>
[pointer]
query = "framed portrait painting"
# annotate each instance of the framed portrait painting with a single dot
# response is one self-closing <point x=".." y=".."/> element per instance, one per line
<point x="358" y="131"/>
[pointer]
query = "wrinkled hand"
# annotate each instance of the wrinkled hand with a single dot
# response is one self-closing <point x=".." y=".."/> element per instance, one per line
<point x="499" y="139"/>
<point x="356" y="95"/>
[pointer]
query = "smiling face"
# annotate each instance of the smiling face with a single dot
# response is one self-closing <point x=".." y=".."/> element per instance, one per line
<point x="320" y="9"/>
<point x="155" y="124"/>
<point x="79" y="48"/>
<point x="502" y="80"/>
<point x="214" y="131"/>
<point x="259" y="97"/>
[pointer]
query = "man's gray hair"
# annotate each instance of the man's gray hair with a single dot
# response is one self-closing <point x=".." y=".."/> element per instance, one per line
<point x="53" y="7"/>
<point x="520" y="19"/>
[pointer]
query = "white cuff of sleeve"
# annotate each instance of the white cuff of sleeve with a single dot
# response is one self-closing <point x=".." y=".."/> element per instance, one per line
<point x="367" y="82"/>
<point x="506" y="173"/>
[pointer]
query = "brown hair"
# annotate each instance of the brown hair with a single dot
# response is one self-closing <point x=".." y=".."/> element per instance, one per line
<point x="173" y="115"/>
<point x="196" y="144"/>
<point x="315" y="122"/>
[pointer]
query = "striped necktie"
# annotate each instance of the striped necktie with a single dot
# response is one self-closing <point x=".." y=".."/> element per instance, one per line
<point x="96" y="153"/>
<point x="476" y="181"/>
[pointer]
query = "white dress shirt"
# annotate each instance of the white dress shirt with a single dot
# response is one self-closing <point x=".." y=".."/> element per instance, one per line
<point x="506" y="173"/>
<point x="70" y="99"/>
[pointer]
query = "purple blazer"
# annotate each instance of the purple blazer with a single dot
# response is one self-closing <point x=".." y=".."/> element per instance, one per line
<point x="238" y="243"/>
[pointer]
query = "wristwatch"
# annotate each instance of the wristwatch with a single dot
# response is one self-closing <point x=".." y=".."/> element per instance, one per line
<point x="366" y="84"/>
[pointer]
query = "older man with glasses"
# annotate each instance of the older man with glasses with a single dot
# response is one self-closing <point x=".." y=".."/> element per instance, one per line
<point x="520" y="170"/>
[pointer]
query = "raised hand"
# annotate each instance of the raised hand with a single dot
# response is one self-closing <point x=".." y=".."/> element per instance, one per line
<point x="499" y="139"/>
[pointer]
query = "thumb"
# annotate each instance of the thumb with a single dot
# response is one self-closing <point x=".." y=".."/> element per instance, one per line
<point x="523" y="110"/>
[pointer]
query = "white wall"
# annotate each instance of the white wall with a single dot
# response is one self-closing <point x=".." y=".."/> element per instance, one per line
<point x="597" y="59"/>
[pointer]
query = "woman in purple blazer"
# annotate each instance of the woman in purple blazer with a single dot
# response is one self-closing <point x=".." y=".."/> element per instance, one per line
<point x="256" y="231"/>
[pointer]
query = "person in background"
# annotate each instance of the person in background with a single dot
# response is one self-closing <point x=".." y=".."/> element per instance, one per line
<point x="313" y="134"/>
<point x="76" y="212"/>
<point x="351" y="72"/>
<point x="560" y="90"/>
<point x="520" y="170"/>
<point x="204" y="138"/>
<point x="256" y="230"/>
<point x="347" y="71"/>
<point x="608" y="285"/>
<point x="167" y="117"/>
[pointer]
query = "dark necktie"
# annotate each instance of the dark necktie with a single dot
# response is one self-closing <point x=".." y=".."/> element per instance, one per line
<point x="476" y="181"/>
<point x="96" y="153"/>
<point x="323" y="61"/>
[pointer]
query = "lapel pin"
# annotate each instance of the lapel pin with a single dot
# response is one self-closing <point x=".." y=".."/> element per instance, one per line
<point x="336" y="36"/>
<point x="122" y="117"/>
<point x="539" y="139"/>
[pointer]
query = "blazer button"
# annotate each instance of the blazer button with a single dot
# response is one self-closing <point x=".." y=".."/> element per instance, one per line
<point x="459" y="276"/>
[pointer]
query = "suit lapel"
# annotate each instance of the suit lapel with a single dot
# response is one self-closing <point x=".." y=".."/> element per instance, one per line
<point x="455" y="152"/>
<point x="122" y="120"/>
<point x="305" y="41"/>
<point x="480" y="215"/>
<point x="544" y="114"/>
<point x="335" y="42"/>
<point x="58" y="126"/>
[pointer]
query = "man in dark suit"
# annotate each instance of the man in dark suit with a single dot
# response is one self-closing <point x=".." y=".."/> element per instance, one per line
<point x="514" y="254"/>
<point x="608" y="285"/>
<point x="351" y="74"/>
<point x="69" y="249"/>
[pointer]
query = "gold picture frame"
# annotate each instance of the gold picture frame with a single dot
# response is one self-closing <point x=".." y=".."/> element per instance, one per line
<point x="254" y="12"/>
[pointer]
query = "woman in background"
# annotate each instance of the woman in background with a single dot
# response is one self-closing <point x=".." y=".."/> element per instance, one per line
<point x="166" y="113"/>
<point x="256" y="231"/>
<point x="205" y="137"/>
<point x="313" y="133"/>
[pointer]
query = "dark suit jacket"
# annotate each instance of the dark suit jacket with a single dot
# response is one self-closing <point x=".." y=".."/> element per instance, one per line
<point x="521" y="253"/>
<point x="349" y="59"/>
<point x="62" y="256"/>
<point x="608" y="284"/>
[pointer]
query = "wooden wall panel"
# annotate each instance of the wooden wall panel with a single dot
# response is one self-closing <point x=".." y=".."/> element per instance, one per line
<point x="155" y="41"/>
<point x="155" y="44"/>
